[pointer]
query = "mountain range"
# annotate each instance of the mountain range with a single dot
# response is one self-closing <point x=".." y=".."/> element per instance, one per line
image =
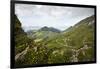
<point x="49" y="45"/>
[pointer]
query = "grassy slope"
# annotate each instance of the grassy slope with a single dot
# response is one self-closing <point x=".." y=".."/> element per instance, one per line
<point x="60" y="47"/>
<point x="79" y="35"/>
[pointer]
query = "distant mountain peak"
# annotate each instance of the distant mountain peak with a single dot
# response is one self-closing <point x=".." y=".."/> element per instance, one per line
<point x="45" y="28"/>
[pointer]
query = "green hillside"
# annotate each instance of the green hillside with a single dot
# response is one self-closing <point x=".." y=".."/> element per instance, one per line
<point x="20" y="37"/>
<point x="47" y="45"/>
<point x="43" y="33"/>
<point x="26" y="50"/>
<point x="79" y="36"/>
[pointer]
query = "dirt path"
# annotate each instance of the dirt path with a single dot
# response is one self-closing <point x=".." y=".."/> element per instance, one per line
<point x="21" y="54"/>
<point x="75" y="52"/>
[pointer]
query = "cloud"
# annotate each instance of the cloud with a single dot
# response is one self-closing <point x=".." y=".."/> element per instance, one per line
<point x="55" y="16"/>
<point x="57" y="13"/>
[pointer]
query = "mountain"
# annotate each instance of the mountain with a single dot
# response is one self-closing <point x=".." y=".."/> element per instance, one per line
<point x="18" y="29"/>
<point x="82" y="31"/>
<point x="20" y="36"/>
<point x="68" y="29"/>
<point x="27" y="52"/>
<point x="19" y="32"/>
<point x="43" y="33"/>
<point x="88" y="20"/>
<point x="49" y="45"/>
<point x="49" y="29"/>
<point x="77" y="41"/>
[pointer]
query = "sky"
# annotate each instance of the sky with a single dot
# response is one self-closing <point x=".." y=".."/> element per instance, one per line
<point x="37" y="16"/>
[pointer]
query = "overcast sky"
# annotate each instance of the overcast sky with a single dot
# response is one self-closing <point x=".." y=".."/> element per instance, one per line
<point x="51" y="16"/>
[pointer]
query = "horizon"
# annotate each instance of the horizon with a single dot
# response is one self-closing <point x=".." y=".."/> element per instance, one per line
<point x="51" y="16"/>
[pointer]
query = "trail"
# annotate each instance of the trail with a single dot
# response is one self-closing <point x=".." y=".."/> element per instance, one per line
<point x="75" y="52"/>
<point x="20" y="55"/>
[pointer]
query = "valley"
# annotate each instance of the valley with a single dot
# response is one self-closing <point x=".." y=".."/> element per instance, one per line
<point x="49" y="45"/>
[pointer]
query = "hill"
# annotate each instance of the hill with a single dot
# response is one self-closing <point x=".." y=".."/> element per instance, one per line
<point x="43" y="33"/>
<point x="20" y="36"/>
<point x="45" y="28"/>
<point x="49" y="45"/>
<point x="77" y="41"/>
